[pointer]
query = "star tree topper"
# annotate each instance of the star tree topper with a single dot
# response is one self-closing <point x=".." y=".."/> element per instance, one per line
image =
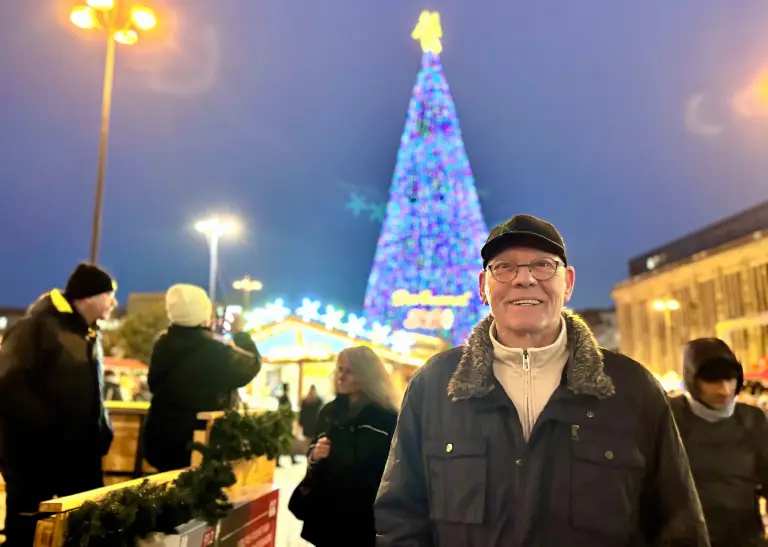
<point x="429" y="31"/>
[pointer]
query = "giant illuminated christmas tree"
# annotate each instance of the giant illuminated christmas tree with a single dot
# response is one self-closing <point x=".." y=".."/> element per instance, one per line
<point x="424" y="275"/>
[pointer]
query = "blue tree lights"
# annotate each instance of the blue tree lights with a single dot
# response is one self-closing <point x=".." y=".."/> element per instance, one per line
<point x="424" y="275"/>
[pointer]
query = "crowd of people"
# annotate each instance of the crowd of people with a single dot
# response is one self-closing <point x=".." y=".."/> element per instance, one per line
<point x="529" y="434"/>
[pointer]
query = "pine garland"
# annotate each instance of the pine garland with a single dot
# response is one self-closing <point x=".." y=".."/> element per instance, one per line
<point x="124" y="517"/>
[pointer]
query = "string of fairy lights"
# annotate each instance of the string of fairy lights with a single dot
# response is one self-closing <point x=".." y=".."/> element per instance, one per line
<point x="330" y="318"/>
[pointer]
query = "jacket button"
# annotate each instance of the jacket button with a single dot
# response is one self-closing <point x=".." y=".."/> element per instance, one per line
<point x="518" y="461"/>
<point x="449" y="447"/>
<point x="590" y="414"/>
<point x="608" y="454"/>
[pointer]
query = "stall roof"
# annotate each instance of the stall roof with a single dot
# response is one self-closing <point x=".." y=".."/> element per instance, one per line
<point x="294" y="339"/>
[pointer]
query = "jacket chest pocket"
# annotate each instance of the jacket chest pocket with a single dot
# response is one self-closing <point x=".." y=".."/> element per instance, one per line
<point x="458" y="469"/>
<point x="606" y="483"/>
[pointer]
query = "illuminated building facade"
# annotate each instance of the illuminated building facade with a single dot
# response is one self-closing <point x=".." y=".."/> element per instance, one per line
<point x="713" y="282"/>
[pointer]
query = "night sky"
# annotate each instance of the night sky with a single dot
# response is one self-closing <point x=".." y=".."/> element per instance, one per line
<point x="627" y="124"/>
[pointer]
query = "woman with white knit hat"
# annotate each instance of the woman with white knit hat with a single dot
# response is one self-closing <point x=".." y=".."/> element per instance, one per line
<point x="189" y="372"/>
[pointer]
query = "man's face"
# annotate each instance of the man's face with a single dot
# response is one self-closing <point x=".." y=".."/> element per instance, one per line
<point x="525" y="305"/>
<point x="99" y="307"/>
<point x="718" y="394"/>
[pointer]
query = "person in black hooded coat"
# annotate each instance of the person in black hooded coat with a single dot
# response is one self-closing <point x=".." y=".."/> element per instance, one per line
<point x="348" y="454"/>
<point x="189" y="372"/>
<point x="726" y="443"/>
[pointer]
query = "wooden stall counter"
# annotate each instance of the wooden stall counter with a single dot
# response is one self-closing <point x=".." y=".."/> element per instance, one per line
<point x="252" y="521"/>
<point x="52" y="530"/>
<point x="125" y="458"/>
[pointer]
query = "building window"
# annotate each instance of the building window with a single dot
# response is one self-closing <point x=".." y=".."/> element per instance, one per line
<point x="643" y="350"/>
<point x="740" y="345"/>
<point x="707" y="307"/>
<point x="734" y="299"/>
<point x="760" y="276"/>
<point x="625" y="328"/>
<point x="684" y="320"/>
<point x="763" y="347"/>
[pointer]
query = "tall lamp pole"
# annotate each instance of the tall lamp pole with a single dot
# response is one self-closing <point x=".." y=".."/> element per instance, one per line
<point x="214" y="228"/>
<point x="667" y="306"/>
<point x="247" y="285"/>
<point x="120" y="23"/>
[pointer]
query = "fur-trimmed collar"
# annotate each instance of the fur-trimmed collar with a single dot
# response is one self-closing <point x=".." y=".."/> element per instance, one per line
<point x="474" y="375"/>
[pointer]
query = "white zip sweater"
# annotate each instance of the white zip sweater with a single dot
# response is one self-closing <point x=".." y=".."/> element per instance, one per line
<point x="531" y="376"/>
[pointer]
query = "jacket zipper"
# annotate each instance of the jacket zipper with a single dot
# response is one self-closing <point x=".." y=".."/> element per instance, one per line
<point x="527" y="381"/>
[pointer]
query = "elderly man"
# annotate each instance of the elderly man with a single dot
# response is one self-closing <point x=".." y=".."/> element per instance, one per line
<point x="53" y="426"/>
<point x="531" y="435"/>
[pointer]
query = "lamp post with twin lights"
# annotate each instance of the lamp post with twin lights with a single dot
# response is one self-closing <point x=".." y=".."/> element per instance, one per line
<point x="120" y="21"/>
<point x="247" y="285"/>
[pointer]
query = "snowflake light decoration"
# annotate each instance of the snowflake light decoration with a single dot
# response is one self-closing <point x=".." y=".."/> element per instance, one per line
<point x="309" y="310"/>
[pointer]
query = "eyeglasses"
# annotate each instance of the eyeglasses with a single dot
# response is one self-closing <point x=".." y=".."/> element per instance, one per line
<point x="541" y="269"/>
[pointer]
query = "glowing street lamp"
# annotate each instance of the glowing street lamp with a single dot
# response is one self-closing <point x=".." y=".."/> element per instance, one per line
<point x="120" y="24"/>
<point x="247" y="285"/>
<point x="667" y="306"/>
<point x="214" y="228"/>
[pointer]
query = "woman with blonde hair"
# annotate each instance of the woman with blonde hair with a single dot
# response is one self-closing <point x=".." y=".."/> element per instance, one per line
<point x="348" y="453"/>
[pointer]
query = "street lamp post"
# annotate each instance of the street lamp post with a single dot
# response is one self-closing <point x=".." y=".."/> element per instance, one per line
<point x="247" y="285"/>
<point x="214" y="228"/>
<point x="120" y="24"/>
<point x="667" y="306"/>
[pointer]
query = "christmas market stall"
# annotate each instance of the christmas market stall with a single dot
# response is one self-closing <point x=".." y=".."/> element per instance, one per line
<point x="299" y="347"/>
<point x="125" y="459"/>
<point x="226" y="497"/>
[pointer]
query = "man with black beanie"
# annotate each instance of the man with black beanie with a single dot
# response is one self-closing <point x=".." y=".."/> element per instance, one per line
<point x="726" y="441"/>
<point x="54" y="429"/>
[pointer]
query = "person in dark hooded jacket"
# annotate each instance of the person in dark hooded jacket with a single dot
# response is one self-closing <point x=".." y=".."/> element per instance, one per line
<point x="189" y="372"/>
<point x="54" y="429"/>
<point x="726" y="442"/>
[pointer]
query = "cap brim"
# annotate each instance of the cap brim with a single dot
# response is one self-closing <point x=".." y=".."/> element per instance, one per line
<point x="520" y="239"/>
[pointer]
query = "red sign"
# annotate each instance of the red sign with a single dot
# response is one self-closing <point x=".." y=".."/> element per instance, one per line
<point x="209" y="537"/>
<point x="253" y="524"/>
<point x="262" y="529"/>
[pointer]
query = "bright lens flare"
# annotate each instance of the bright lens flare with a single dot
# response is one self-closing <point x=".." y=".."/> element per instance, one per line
<point x="105" y="5"/>
<point x="127" y="37"/>
<point x="144" y="18"/>
<point x="83" y="17"/>
<point x="216" y="226"/>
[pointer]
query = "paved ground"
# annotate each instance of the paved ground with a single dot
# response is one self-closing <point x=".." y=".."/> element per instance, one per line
<point x="288" y="528"/>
